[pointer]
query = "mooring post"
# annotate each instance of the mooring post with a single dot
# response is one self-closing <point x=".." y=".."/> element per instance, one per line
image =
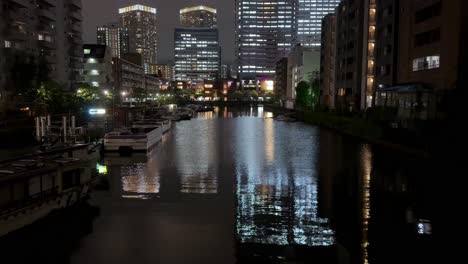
<point x="64" y="123"/>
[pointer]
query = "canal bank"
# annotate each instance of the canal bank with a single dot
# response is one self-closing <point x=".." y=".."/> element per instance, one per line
<point x="351" y="126"/>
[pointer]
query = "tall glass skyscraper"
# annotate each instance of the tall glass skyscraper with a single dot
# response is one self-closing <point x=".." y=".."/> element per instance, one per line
<point x="197" y="54"/>
<point x="309" y="19"/>
<point x="142" y="29"/>
<point x="265" y="33"/>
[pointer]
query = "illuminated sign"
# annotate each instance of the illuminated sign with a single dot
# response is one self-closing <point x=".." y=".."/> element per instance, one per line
<point x="137" y="8"/>
<point x="97" y="111"/>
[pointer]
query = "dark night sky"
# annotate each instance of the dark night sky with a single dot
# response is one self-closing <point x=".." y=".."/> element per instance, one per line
<point x="98" y="12"/>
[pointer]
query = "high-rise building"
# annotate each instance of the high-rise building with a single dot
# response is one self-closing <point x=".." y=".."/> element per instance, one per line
<point x="265" y="33"/>
<point x="115" y="37"/>
<point x="164" y="71"/>
<point x="327" y="61"/>
<point x="198" y="17"/>
<point x="309" y="19"/>
<point x="141" y="22"/>
<point x="197" y="54"/>
<point x="46" y="31"/>
<point x="355" y="51"/>
<point x="98" y="66"/>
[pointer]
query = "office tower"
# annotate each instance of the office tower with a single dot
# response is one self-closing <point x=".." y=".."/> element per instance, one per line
<point x="197" y="54"/>
<point x="265" y="33"/>
<point x="327" y="61"/>
<point x="141" y="22"/>
<point x="198" y="17"/>
<point x="115" y="37"/>
<point x="309" y="19"/>
<point x="45" y="31"/>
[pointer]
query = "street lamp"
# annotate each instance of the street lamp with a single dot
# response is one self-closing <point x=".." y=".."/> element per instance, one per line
<point x="106" y="92"/>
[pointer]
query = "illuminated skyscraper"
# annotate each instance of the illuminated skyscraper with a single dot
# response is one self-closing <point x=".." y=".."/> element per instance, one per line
<point x="309" y="19"/>
<point x="196" y="46"/>
<point x="198" y="16"/>
<point x="142" y="30"/>
<point x="197" y="54"/>
<point x="115" y="37"/>
<point x="265" y="33"/>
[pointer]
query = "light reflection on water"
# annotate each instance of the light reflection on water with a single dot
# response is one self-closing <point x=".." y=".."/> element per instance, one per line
<point x="277" y="185"/>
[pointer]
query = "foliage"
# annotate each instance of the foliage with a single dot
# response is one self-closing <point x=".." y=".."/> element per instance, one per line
<point x="236" y="95"/>
<point x="303" y="95"/>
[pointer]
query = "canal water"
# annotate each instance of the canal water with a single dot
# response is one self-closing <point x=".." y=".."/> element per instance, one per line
<point x="237" y="186"/>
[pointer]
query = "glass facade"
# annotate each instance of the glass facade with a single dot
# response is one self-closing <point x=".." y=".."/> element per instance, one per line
<point x="309" y="19"/>
<point x="197" y="54"/>
<point x="265" y="32"/>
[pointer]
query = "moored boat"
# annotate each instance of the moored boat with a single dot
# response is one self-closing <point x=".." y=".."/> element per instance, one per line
<point x="33" y="187"/>
<point x="138" y="138"/>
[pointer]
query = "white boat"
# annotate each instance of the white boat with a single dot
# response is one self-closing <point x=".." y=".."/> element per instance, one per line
<point x="136" y="139"/>
<point x="33" y="187"/>
<point x="149" y="123"/>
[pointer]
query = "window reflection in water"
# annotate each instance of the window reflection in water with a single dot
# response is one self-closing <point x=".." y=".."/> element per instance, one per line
<point x="140" y="180"/>
<point x="366" y="163"/>
<point x="277" y="201"/>
<point x="196" y="157"/>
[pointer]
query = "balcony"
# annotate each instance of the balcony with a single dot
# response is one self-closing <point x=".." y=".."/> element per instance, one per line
<point x="75" y="64"/>
<point x="46" y="28"/>
<point x="22" y="3"/>
<point x="15" y="35"/>
<point x="50" y="2"/>
<point x="76" y="3"/>
<point x="46" y="44"/>
<point x="76" y="15"/>
<point x="16" y="16"/>
<point x="75" y="52"/>
<point x="47" y="14"/>
<point x="75" y="40"/>
<point x="75" y="27"/>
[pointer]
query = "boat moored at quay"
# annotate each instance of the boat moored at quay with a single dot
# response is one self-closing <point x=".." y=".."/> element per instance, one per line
<point x="33" y="186"/>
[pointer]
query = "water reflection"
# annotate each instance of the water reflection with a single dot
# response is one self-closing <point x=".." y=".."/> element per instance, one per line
<point x="280" y="189"/>
<point x="277" y="201"/>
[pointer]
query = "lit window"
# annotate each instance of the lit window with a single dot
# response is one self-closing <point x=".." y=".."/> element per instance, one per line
<point x="94" y="72"/>
<point x="7" y="44"/>
<point x="426" y="63"/>
<point x="87" y="51"/>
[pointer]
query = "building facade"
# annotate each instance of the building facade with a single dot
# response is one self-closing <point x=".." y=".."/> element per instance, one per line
<point x="141" y="22"/>
<point x="431" y="54"/>
<point x="198" y="17"/>
<point x="131" y="83"/>
<point x="309" y="19"/>
<point x="354" y="57"/>
<point x="43" y="31"/>
<point x="98" y="66"/>
<point x="281" y="78"/>
<point x="327" y="62"/>
<point x="386" y="43"/>
<point x="115" y="37"/>
<point x="303" y="64"/>
<point x="197" y="54"/>
<point x="164" y="71"/>
<point x="265" y="33"/>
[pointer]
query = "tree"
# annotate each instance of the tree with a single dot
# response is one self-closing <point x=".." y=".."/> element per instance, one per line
<point x="303" y="95"/>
